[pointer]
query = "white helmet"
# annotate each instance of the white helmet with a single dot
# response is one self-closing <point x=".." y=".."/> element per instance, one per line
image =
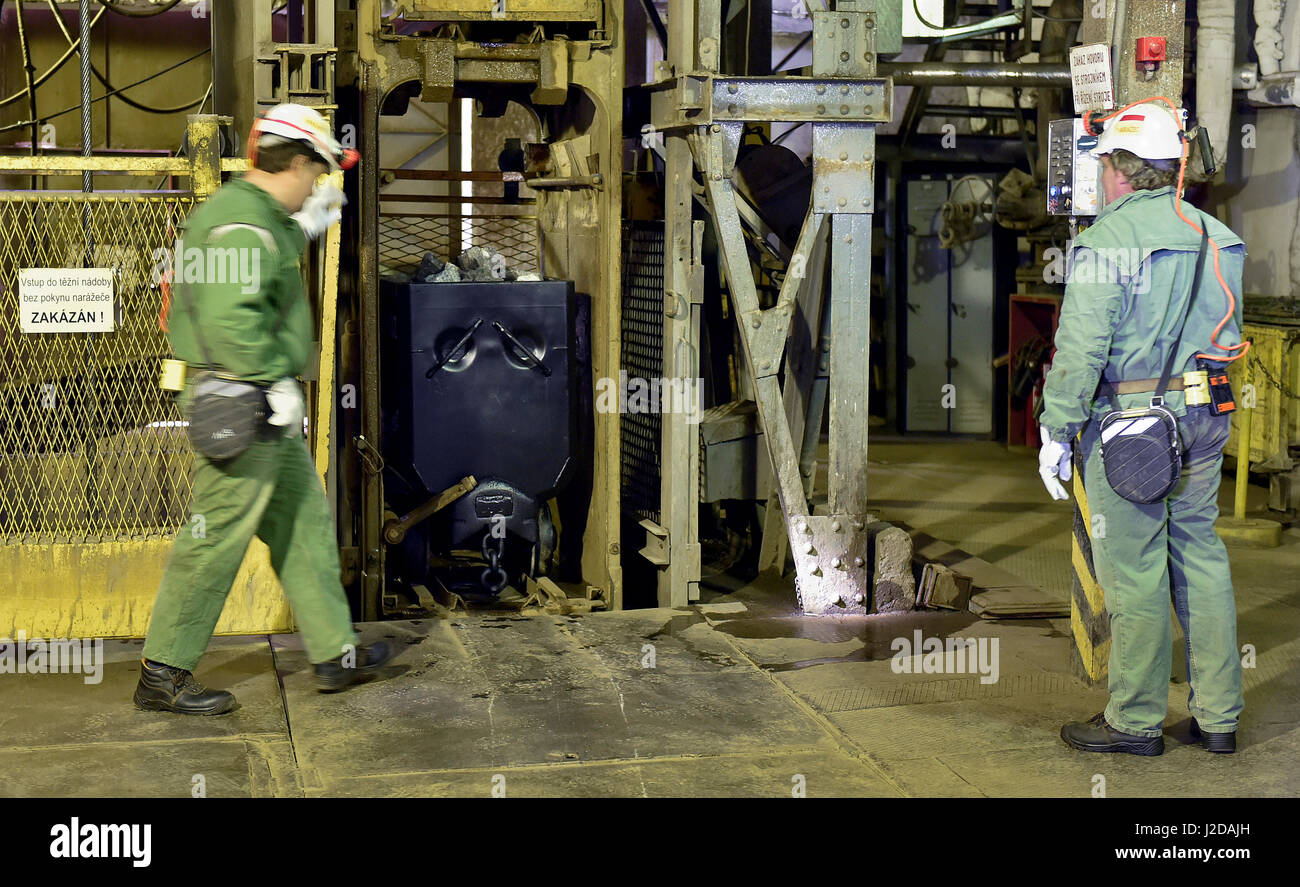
<point x="300" y="123"/>
<point x="1148" y="130"/>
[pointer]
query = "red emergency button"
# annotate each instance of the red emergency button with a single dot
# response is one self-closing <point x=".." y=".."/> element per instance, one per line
<point x="1151" y="49"/>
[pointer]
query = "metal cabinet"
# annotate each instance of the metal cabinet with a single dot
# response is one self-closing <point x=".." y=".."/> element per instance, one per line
<point x="948" y="369"/>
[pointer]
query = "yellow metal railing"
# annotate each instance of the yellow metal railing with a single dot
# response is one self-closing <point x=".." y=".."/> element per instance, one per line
<point x="90" y="448"/>
<point x="95" y="465"/>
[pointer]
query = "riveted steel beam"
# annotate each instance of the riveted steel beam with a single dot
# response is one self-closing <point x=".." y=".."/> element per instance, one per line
<point x="703" y="99"/>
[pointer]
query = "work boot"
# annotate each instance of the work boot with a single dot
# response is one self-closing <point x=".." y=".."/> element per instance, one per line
<point x="163" y="688"/>
<point x="1219" y="743"/>
<point x="1095" y="734"/>
<point x="334" y="675"/>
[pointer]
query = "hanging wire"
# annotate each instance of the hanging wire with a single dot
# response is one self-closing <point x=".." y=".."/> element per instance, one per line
<point x="1051" y="18"/>
<point x="916" y="7"/>
<point x="52" y="70"/>
<point x="20" y="124"/>
<point x="31" y="91"/>
<point x="67" y="35"/>
<point x="112" y="7"/>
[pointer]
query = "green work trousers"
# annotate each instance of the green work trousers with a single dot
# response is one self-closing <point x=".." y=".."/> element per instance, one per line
<point x="1146" y="556"/>
<point x="271" y="491"/>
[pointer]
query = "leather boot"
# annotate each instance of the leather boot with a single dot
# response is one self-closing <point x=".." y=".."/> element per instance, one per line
<point x="163" y="688"/>
<point x="1095" y="734"/>
<point x="1219" y="743"/>
<point x="333" y="675"/>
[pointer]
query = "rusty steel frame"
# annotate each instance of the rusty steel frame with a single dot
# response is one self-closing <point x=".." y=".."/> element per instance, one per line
<point x="702" y="116"/>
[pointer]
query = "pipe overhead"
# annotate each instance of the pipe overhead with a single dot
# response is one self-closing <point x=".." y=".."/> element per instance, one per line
<point x="1215" y="42"/>
<point x="1005" y="74"/>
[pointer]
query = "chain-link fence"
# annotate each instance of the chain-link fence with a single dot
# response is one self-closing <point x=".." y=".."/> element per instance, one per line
<point x="404" y="239"/>
<point x="91" y="449"/>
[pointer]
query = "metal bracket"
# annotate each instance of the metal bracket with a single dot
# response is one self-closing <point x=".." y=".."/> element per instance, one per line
<point x="656" y="549"/>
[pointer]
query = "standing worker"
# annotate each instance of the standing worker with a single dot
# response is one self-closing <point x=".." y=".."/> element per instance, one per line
<point x="1136" y="307"/>
<point x="258" y="330"/>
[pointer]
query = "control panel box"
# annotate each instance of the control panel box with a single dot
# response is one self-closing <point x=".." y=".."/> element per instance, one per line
<point x="1073" y="175"/>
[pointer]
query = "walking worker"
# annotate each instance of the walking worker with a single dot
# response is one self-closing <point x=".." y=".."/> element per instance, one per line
<point x="249" y="338"/>
<point x="1144" y="298"/>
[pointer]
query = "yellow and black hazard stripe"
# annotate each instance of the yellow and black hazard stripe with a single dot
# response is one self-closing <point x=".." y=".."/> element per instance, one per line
<point x="1089" y="621"/>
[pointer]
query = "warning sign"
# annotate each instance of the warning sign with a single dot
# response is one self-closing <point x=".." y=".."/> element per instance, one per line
<point x="67" y="300"/>
<point x="1094" y="86"/>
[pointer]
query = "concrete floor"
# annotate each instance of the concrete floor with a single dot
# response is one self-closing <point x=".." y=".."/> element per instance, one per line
<point x="745" y="696"/>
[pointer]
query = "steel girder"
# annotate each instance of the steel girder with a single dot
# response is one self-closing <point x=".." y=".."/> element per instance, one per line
<point x="843" y="101"/>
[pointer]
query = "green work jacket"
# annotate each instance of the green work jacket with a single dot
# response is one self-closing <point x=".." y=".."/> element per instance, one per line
<point x="236" y="275"/>
<point x="1128" y="280"/>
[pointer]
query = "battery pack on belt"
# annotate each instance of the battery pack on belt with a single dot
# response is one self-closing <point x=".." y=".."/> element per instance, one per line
<point x="1221" y="399"/>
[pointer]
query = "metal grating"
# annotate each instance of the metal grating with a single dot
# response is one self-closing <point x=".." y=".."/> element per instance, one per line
<point x="91" y="449"/>
<point x="643" y="337"/>
<point x="404" y="239"/>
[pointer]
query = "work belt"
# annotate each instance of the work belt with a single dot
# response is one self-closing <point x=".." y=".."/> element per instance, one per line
<point x="1137" y="386"/>
<point x="1193" y="382"/>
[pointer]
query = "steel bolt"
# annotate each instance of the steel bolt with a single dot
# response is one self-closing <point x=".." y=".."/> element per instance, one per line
<point x="844" y="155"/>
<point x="732" y="88"/>
<point x="835" y="562"/>
<point x="807" y="529"/>
<point x="858" y="562"/>
<point x="842" y="201"/>
<point x="859" y="598"/>
<point x="803" y="527"/>
<point x="717" y="127"/>
<point x="821" y="109"/>
<point x="808" y="549"/>
<point x="844" y="56"/>
<point x="821" y="88"/>
<point x="835" y="526"/>
<point x="756" y="323"/>
<point x="844" y="23"/>
<point x="731" y="109"/>
<point x="869" y="89"/>
<point x="844" y="109"/>
<point x="867" y="110"/>
<point x="844" y="90"/>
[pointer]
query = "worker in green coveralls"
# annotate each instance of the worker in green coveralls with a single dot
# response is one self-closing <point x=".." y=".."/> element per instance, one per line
<point x="257" y="328"/>
<point x="1118" y="323"/>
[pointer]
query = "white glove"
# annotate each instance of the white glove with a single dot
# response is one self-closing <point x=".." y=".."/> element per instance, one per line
<point x="1053" y="462"/>
<point x="322" y="208"/>
<point x="287" y="408"/>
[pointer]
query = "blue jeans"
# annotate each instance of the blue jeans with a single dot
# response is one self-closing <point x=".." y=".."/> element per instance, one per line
<point x="1144" y="556"/>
